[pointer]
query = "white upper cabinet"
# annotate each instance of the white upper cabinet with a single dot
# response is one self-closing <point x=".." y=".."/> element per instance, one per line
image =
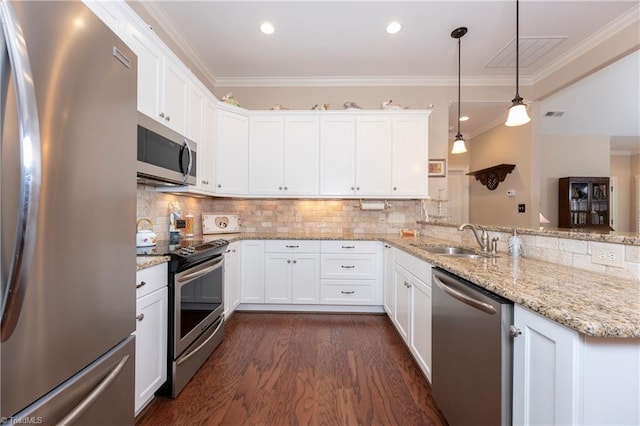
<point x="231" y="153"/>
<point x="283" y="155"/>
<point x="410" y="155"/>
<point x="175" y="95"/>
<point x="205" y="155"/>
<point x="337" y="155"/>
<point x="195" y="116"/>
<point x="150" y="62"/>
<point x="373" y="153"/>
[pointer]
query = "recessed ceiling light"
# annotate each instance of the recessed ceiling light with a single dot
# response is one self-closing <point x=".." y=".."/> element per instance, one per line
<point x="267" y="28"/>
<point x="394" y="27"/>
<point x="464" y="118"/>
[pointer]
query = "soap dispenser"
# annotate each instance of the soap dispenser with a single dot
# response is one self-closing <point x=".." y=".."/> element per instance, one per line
<point x="515" y="245"/>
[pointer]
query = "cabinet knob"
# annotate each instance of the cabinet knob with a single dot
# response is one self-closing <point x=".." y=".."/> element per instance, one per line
<point x="295" y="261"/>
<point x="162" y="115"/>
<point x="168" y="118"/>
<point x="280" y="188"/>
<point x="142" y="283"/>
<point x="219" y="185"/>
<point x="514" y="331"/>
<point x="140" y="317"/>
<point x="285" y="188"/>
<point x="353" y="188"/>
<point x="357" y="188"/>
<point x="205" y="182"/>
<point x="395" y="188"/>
<point x="288" y="261"/>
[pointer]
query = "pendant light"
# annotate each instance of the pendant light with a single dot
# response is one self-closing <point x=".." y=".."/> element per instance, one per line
<point x="458" y="144"/>
<point x="518" y="110"/>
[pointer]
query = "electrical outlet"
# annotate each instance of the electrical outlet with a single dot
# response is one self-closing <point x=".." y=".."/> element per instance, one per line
<point x="521" y="208"/>
<point x="608" y="254"/>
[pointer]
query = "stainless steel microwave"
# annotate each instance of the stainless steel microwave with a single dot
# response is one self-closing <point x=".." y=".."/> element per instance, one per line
<point x="165" y="157"/>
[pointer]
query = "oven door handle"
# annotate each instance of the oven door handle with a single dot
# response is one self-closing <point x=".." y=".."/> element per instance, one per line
<point x="201" y="345"/>
<point x="195" y="275"/>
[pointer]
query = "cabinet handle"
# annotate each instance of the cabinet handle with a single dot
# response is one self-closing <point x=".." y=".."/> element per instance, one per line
<point x="288" y="260"/>
<point x="387" y="246"/>
<point x="348" y="266"/>
<point x="142" y="283"/>
<point x="406" y="284"/>
<point x="219" y="185"/>
<point x="353" y="188"/>
<point x="168" y="118"/>
<point x="295" y="261"/>
<point x="514" y="331"/>
<point x="140" y="317"/>
<point x="162" y="115"/>
<point x="395" y="188"/>
<point x="292" y="246"/>
<point x="205" y="182"/>
<point x="348" y="246"/>
<point x="347" y="292"/>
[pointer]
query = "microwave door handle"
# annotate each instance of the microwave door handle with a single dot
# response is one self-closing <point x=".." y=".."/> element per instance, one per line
<point x="186" y="145"/>
<point x="30" y="167"/>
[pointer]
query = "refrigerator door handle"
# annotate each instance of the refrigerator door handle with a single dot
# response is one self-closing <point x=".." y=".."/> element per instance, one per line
<point x="79" y="409"/>
<point x="30" y="171"/>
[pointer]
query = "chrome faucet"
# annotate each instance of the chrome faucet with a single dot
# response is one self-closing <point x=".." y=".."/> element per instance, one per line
<point x="483" y="239"/>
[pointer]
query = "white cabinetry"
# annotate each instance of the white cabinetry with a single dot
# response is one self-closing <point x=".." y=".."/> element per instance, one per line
<point x="351" y="272"/>
<point x="283" y="155"/>
<point x="232" y="278"/>
<point x="205" y="169"/>
<point x="252" y="275"/>
<point x="374" y="155"/>
<point x="412" y="311"/>
<point x="389" y="289"/>
<point x="545" y="371"/>
<point x="163" y="82"/>
<point x="151" y="333"/>
<point x="292" y="271"/>
<point x="195" y="116"/>
<point x="231" y="152"/>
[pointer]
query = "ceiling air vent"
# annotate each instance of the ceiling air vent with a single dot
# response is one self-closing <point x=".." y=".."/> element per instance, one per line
<point x="554" y="113"/>
<point x="531" y="49"/>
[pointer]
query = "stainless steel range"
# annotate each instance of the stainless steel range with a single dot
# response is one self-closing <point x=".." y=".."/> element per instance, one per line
<point x="196" y="295"/>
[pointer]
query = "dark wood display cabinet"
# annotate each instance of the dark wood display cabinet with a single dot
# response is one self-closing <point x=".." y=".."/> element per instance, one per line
<point x="584" y="202"/>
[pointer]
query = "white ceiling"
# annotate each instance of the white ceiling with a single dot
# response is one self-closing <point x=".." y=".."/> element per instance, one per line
<point x="344" y="42"/>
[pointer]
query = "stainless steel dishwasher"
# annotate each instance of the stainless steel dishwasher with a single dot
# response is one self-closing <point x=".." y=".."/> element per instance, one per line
<point x="472" y="352"/>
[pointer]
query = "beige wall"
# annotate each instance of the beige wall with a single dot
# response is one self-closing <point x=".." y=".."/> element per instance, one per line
<point x="509" y="145"/>
<point x="621" y="170"/>
<point x="336" y="217"/>
<point x="563" y="156"/>
<point x="635" y="205"/>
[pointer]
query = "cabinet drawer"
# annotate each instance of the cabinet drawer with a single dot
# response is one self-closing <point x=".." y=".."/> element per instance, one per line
<point x="348" y="246"/>
<point x="348" y="266"/>
<point x="292" y="246"/>
<point x="346" y="292"/>
<point x="151" y="279"/>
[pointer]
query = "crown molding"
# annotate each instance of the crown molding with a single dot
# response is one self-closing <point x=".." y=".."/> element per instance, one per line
<point x="176" y="36"/>
<point x="631" y="17"/>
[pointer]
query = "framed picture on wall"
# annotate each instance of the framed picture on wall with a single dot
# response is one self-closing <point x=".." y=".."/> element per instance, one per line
<point x="438" y="167"/>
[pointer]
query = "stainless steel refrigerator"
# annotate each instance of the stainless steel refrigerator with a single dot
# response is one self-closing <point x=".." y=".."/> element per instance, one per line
<point x="68" y="200"/>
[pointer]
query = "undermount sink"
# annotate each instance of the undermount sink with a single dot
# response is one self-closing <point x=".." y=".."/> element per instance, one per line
<point x="449" y="251"/>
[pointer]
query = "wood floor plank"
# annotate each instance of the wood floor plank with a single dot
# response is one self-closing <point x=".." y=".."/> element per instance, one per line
<point x="303" y="369"/>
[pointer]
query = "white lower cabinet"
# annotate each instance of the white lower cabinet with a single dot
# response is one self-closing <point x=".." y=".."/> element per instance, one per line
<point x="389" y="291"/>
<point x="252" y="276"/>
<point x="411" y="311"/>
<point x="351" y="272"/>
<point x="292" y="272"/>
<point x="231" y="278"/>
<point x="151" y="333"/>
<point x="561" y="377"/>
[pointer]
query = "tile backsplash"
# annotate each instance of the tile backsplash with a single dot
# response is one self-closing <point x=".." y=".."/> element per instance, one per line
<point x="281" y="215"/>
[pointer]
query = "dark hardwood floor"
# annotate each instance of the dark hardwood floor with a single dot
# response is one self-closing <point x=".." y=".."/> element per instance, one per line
<point x="303" y="369"/>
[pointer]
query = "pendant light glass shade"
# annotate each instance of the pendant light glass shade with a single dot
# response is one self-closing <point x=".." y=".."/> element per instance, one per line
<point x="458" y="144"/>
<point x="518" y="110"/>
<point x="517" y="114"/>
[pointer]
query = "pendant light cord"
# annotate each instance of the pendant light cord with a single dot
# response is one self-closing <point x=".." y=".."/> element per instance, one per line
<point x="459" y="44"/>
<point x="518" y="49"/>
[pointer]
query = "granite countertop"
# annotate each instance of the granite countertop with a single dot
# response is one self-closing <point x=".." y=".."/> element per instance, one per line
<point x="143" y="262"/>
<point x="591" y="303"/>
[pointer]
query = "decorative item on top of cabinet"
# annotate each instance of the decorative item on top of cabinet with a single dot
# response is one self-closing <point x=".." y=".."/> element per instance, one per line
<point x="583" y="202"/>
<point x="351" y="105"/>
<point x="322" y="107"/>
<point x="492" y="176"/>
<point x="279" y="107"/>
<point x="389" y="105"/>
<point x="229" y="99"/>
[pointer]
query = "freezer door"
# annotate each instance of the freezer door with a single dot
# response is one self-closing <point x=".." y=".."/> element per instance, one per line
<point x="101" y="394"/>
<point x="77" y="284"/>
